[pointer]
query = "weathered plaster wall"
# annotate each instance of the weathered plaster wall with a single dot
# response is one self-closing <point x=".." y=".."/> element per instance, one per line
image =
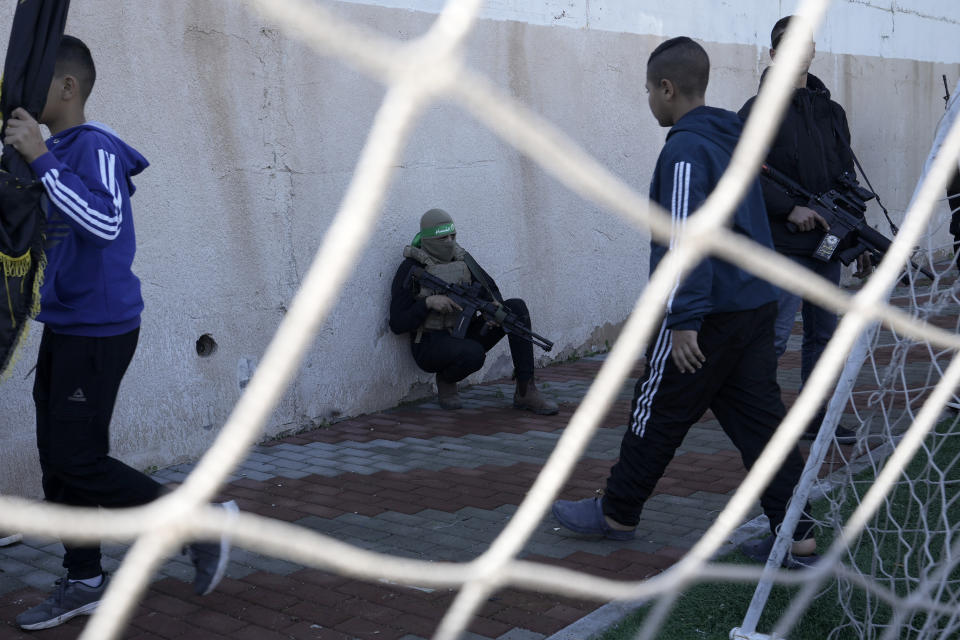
<point x="253" y="139"/>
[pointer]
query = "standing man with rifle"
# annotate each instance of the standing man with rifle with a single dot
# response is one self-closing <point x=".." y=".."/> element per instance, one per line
<point x="953" y="193"/>
<point x="953" y="198"/>
<point x="449" y="338"/>
<point x="812" y="148"/>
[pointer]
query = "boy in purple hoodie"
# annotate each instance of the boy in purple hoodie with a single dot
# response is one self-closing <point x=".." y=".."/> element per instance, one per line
<point x="90" y="308"/>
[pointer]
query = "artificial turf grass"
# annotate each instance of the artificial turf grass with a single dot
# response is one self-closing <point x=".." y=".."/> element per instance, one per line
<point x="710" y="610"/>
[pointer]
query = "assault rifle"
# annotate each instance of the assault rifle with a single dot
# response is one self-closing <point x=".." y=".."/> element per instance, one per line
<point x="468" y="298"/>
<point x="843" y="209"/>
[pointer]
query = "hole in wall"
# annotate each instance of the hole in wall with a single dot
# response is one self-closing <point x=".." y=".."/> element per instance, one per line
<point x="206" y="346"/>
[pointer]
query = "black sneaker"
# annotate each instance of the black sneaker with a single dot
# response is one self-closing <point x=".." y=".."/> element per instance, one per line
<point x="844" y="435"/>
<point x="813" y="427"/>
<point x="759" y="551"/>
<point x="210" y="559"/>
<point x="68" y="600"/>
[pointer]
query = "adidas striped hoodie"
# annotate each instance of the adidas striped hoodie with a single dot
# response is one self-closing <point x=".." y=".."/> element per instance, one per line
<point x="89" y="288"/>
<point x="697" y="152"/>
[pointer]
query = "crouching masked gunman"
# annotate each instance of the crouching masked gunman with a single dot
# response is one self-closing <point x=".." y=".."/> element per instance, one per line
<point x="431" y="317"/>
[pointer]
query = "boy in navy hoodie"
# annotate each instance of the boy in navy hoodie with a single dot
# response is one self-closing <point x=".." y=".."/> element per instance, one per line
<point x="714" y="349"/>
<point x="90" y="308"/>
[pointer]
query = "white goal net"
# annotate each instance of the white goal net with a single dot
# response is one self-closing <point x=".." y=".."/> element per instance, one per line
<point x="900" y="413"/>
<point x="894" y="565"/>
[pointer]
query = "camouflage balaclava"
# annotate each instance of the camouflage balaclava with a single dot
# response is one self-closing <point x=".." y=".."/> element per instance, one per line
<point x="437" y="235"/>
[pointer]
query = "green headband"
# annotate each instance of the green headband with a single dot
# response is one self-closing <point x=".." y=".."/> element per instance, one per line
<point x="444" y="229"/>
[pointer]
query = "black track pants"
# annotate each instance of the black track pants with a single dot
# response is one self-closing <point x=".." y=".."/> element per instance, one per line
<point x="453" y="359"/>
<point x="737" y="382"/>
<point x="76" y="385"/>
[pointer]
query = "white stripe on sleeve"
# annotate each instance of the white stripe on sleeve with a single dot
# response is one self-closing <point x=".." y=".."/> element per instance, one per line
<point x="103" y="225"/>
<point x="679" y="208"/>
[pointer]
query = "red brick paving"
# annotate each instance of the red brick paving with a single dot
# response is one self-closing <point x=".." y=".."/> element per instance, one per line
<point x="317" y="605"/>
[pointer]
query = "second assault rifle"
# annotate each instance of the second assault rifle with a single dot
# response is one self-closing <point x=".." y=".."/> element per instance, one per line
<point x="468" y="298"/>
<point x="843" y="209"/>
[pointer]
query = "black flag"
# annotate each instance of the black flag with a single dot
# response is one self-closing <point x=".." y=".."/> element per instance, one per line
<point x="27" y="72"/>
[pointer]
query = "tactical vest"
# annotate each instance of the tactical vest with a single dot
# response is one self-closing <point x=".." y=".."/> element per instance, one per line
<point x="455" y="272"/>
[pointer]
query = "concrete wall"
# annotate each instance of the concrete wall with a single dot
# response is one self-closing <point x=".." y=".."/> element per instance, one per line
<point x="253" y="139"/>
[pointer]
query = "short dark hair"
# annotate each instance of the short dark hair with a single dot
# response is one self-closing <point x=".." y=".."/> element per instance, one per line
<point x="683" y="62"/>
<point x="778" y="30"/>
<point x="73" y="58"/>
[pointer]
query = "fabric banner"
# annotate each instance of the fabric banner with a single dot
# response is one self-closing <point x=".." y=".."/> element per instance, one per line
<point x="27" y="71"/>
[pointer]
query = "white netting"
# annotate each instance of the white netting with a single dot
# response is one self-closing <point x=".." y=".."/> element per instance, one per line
<point x="910" y="545"/>
<point x="416" y="73"/>
<point x="898" y="577"/>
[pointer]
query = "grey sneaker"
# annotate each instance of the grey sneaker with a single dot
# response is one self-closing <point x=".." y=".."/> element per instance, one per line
<point x="210" y="559"/>
<point x="586" y="516"/>
<point x="68" y="600"/>
<point x="13" y="538"/>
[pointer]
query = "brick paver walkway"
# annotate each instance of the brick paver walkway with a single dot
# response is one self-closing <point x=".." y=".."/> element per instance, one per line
<point x="420" y="482"/>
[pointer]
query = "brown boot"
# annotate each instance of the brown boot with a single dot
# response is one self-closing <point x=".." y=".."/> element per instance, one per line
<point x="447" y="395"/>
<point x="534" y="401"/>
